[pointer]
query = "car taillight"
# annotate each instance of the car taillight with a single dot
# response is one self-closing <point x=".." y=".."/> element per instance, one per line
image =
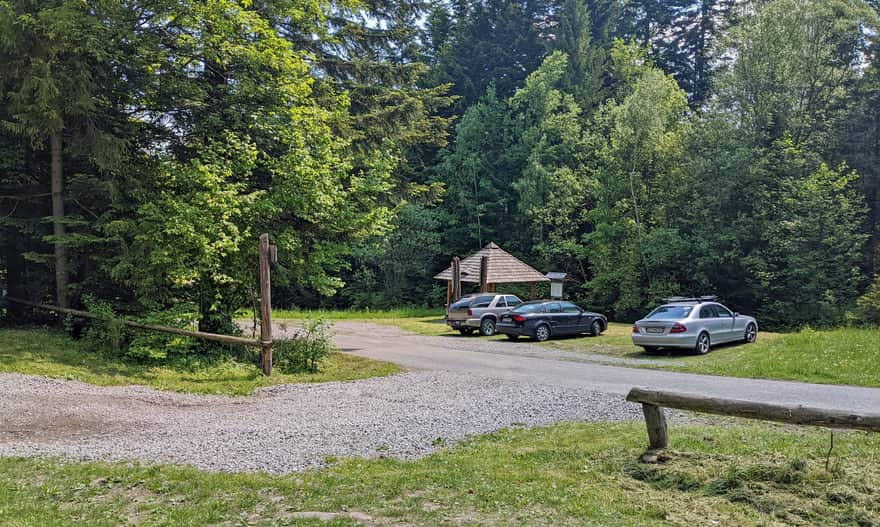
<point x="519" y="318"/>
<point x="635" y="329"/>
<point x="470" y="312"/>
<point x="678" y="328"/>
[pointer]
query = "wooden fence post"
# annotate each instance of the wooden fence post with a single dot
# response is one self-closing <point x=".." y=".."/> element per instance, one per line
<point x="265" y="305"/>
<point x="658" y="437"/>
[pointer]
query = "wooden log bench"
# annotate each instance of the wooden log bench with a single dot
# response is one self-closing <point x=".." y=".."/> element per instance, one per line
<point x="653" y="402"/>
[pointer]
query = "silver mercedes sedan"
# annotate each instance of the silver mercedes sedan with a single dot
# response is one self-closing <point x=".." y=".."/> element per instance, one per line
<point x="692" y="323"/>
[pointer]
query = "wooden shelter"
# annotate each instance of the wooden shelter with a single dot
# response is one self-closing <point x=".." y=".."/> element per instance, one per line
<point x="498" y="267"/>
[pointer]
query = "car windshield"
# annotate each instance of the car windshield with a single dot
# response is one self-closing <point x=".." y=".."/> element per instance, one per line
<point x="670" y="312"/>
<point x="528" y="308"/>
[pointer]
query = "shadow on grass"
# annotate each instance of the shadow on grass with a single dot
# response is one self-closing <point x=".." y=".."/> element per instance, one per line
<point x="668" y="353"/>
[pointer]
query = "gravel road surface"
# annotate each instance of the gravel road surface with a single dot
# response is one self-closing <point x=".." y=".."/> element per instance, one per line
<point x="282" y="428"/>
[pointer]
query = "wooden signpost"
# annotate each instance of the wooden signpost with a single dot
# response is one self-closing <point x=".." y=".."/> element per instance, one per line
<point x="268" y="255"/>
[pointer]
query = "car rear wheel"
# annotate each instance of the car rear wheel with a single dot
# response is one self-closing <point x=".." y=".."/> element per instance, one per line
<point x="542" y="332"/>
<point x="751" y="333"/>
<point x="596" y="328"/>
<point x="487" y="327"/>
<point x="466" y="331"/>
<point x="704" y="344"/>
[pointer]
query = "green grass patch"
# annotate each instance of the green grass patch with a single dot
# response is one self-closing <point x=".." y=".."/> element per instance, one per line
<point x="565" y="475"/>
<point x="52" y="354"/>
<point x="838" y="356"/>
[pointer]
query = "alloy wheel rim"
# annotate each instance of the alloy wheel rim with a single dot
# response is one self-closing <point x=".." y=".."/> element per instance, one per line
<point x="542" y="333"/>
<point x="704" y="343"/>
<point x="597" y="328"/>
<point x="751" y="334"/>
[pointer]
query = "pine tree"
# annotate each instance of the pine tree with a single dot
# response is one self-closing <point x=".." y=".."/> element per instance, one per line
<point x="494" y="43"/>
<point x="587" y="76"/>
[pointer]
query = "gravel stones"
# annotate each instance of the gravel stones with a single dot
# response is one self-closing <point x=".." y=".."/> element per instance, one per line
<point x="283" y="428"/>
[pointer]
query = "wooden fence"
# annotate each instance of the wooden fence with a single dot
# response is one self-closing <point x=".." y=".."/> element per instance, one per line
<point x="653" y="402"/>
<point x="268" y="255"/>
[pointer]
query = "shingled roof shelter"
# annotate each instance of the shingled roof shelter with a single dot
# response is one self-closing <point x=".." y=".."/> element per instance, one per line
<point x="501" y="268"/>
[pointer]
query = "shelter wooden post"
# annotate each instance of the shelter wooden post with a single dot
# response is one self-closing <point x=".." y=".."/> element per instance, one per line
<point x="484" y="274"/>
<point x="448" y="293"/>
<point x="456" y="279"/>
<point x="266" y="252"/>
<point x="534" y="294"/>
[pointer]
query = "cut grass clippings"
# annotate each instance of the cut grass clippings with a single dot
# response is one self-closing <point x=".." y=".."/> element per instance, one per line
<point x="740" y="474"/>
<point x="52" y="354"/>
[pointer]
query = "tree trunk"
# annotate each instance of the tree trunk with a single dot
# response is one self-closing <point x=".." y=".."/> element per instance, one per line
<point x="62" y="272"/>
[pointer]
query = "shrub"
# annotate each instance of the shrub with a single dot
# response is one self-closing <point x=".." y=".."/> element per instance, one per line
<point x="155" y="345"/>
<point x="106" y="333"/>
<point x="308" y="347"/>
<point x="109" y="334"/>
<point x="867" y="309"/>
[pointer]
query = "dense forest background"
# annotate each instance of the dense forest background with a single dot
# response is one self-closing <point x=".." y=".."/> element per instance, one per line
<point x="646" y="147"/>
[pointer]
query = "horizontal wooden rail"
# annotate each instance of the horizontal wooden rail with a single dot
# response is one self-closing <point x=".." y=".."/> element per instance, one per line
<point x="781" y="413"/>
<point x="653" y="402"/>
<point x="226" y="339"/>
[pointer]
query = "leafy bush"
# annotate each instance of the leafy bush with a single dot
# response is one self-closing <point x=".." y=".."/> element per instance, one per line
<point x="106" y="333"/>
<point x="867" y="309"/>
<point x="308" y="347"/>
<point x="109" y="334"/>
<point x="155" y="345"/>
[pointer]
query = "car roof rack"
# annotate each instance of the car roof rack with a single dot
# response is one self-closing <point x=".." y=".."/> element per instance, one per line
<point x="698" y="300"/>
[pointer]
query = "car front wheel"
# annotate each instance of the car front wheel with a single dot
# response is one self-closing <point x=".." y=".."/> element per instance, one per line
<point x="596" y="328"/>
<point x="542" y="332"/>
<point x="751" y="333"/>
<point x="704" y="344"/>
<point x="487" y="327"/>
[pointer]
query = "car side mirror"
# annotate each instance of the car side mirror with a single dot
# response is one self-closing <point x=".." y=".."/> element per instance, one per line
<point x="735" y="315"/>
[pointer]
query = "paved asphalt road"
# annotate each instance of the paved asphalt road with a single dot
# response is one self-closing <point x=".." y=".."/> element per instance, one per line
<point x="519" y="361"/>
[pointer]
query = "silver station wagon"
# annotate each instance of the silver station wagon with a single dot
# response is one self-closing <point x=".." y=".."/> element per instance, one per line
<point x="692" y="323"/>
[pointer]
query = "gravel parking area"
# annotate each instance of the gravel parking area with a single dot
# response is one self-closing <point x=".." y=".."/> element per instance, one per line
<point x="283" y="428"/>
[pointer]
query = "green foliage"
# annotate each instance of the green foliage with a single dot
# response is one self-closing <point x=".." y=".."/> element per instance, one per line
<point x="156" y="346"/>
<point x="304" y="352"/>
<point x="190" y="129"/>
<point x="867" y="310"/>
<point x="492" y="43"/>
<point x="106" y="333"/>
<point x="390" y="270"/>
<point x="798" y="84"/>
<point x="635" y="250"/>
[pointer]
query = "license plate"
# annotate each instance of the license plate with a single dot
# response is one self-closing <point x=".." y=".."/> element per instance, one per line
<point x="654" y="330"/>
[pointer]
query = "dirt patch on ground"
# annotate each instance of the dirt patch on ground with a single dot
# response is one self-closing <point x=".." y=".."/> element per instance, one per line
<point x="55" y="428"/>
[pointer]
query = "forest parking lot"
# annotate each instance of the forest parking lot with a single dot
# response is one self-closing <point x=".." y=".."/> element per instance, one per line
<point x="174" y="176"/>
